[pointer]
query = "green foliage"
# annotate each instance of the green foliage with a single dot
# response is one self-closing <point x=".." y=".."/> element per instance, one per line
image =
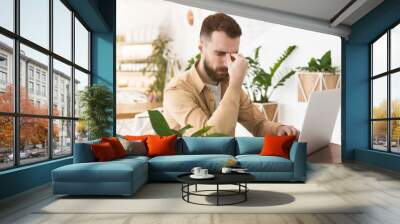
<point x="96" y="102"/>
<point x="192" y="60"/>
<point x="259" y="81"/>
<point x="324" y="64"/>
<point x="161" y="62"/>
<point x="161" y="127"/>
<point x="159" y="123"/>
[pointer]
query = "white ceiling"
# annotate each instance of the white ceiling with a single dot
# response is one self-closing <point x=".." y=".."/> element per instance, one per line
<point x="320" y="9"/>
<point x="315" y="15"/>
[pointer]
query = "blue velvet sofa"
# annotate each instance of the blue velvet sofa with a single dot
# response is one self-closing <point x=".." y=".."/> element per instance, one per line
<point x="126" y="175"/>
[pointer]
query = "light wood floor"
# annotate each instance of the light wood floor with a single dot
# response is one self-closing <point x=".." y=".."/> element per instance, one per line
<point x="378" y="188"/>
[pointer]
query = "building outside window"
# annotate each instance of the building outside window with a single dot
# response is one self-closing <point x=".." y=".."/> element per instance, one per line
<point x="58" y="127"/>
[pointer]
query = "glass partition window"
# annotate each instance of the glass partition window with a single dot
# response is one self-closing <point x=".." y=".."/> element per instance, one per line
<point x="37" y="66"/>
<point x="62" y="29"/>
<point x="385" y="94"/>
<point x="395" y="47"/>
<point x="62" y="89"/>
<point x="33" y="139"/>
<point x="7" y="14"/>
<point x="34" y="21"/>
<point x="6" y="142"/>
<point x="379" y="56"/>
<point x="81" y="45"/>
<point x="6" y="74"/>
<point x="62" y="137"/>
<point x="36" y="100"/>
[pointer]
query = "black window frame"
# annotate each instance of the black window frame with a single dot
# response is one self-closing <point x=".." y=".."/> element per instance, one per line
<point x="16" y="115"/>
<point x="388" y="74"/>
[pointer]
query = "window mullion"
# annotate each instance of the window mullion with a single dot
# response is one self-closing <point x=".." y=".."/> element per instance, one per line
<point x="50" y="81"/>
<point x="16" y="84"/>
<point x="73" y="82"/>
<point x="389" y="101"/>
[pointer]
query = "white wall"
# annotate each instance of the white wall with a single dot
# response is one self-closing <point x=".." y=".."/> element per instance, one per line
<point x="273" y="38"/>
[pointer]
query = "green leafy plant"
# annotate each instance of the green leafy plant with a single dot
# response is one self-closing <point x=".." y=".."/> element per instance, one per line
<point x="161" y="127"/>
<point x="96" y="102"/>
<point x="323" y="64"/>
<point x="161" y="62"/>
<point x="259" y="81"/>
<point x="192" y="60"/>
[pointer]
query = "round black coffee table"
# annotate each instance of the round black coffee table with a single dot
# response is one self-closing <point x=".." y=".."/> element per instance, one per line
<point x="238" y="179"/>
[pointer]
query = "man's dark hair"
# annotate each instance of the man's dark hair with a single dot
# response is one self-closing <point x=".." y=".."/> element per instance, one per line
<point x="220" y="22"/>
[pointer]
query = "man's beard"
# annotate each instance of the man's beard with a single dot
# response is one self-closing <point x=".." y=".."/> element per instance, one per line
<point x="213" y="74"/>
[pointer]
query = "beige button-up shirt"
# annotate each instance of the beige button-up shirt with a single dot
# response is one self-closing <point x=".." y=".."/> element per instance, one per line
<point x="187" y="100"/>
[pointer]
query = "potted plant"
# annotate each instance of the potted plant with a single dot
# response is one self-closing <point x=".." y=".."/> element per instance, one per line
<point x="160" y="65"/>
<point x="259" y="83"/>
<point x="319" y="75"/>
<point x="96" y="102"/>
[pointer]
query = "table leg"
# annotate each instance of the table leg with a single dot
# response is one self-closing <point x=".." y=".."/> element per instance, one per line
<point x="217" y="194"/>
<point x="245" y="193"/>
<point x="188" y="190"/>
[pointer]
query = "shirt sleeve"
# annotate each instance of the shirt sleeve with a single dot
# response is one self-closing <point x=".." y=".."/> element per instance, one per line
<point x="183" y="107"/>
<point x="253" y="119"/>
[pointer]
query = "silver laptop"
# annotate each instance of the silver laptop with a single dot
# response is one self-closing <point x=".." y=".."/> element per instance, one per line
<point x="320" y="118"/>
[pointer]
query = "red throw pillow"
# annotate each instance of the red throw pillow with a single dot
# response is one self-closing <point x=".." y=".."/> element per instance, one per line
<point x="277" y="145"/>
<point x="103" y="151"/>
<point x="116" y="145"/>
<point x="161" y="145"/>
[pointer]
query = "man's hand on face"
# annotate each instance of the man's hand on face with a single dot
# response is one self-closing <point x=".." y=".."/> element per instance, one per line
<point x="287" y="130"/>
<point x="237" y="68"/>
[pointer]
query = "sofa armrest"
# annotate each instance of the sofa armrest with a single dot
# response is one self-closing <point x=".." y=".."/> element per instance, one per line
<point x="83" y="152"/>
<point x="298" y="155"/>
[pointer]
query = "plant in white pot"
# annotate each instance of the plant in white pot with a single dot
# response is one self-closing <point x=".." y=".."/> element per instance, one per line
<point x="259" y="83"/>
<point x="319" y="75"/>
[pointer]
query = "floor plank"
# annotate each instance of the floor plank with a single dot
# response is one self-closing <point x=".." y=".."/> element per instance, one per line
<point x="377" y="189"/>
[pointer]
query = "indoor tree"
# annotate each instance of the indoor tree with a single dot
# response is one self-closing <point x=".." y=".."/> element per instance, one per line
<point x="96" y="102"/>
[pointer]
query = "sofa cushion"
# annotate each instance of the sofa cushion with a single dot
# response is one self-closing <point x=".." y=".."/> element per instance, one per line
<point x="116" y="145"/>
<point x="206" y="145"/>
<point x="83" y="152"/>
<point x="249" y="145"/>
<point x="111" y="171"/>
<point x="277" y="145"/>
<point x="161" y="145"/>
<point x="257" y="163"/>
<point x="134" y="147"/>
<point x="103" y="151"/>
<point x="185" y="163"/>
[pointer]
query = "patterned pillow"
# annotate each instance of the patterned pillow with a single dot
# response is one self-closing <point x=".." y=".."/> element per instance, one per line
<point x="133" y="147"/>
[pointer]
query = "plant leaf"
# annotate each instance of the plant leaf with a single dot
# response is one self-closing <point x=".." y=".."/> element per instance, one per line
<point x="183" y="130"/>
<point x="326" y="61"/>
<point x="282" y="81"/>
<point x="159" y="123"/>
<point x="216" y="135"/>
<point x="201" y="131"/>
<point x="281" y="59"/>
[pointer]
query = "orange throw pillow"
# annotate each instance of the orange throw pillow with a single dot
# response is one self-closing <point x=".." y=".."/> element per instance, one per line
<point x="161" y="145"/>
<point x="135" y="138"/>
<point x="116" y="145"/>
<point x="103" y="151"/>
<point x="277" y="145"/>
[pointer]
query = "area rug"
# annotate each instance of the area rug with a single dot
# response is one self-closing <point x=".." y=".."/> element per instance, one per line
<point x="166" y="198"/>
